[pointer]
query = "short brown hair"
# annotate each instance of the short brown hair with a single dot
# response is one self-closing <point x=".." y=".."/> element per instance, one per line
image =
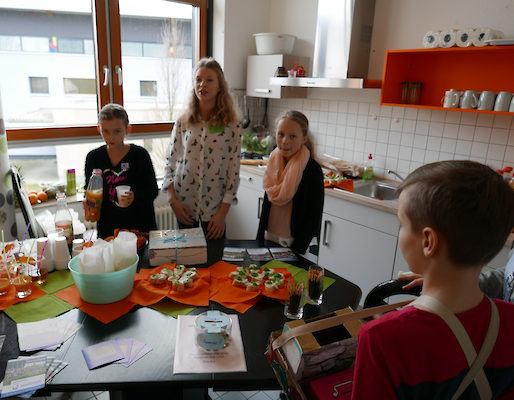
<point x="468" y="203"/>
<point x="113" y="111"/>
<point x="301" y="120"/>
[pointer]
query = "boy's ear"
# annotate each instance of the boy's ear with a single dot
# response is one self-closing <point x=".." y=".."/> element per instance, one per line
<point x="430" y="241"/>
<point x="98" y="129"/>
<point x="129" y="129"/>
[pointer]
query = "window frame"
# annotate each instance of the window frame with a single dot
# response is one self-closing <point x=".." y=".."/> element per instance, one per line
<point x="107" y="37"/>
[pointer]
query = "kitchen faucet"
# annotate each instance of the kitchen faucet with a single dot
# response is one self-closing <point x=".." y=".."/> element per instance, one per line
<point x="396" y="174"/>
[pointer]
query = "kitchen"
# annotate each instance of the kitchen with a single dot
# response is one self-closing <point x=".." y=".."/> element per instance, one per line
<point x="350" y="123"/>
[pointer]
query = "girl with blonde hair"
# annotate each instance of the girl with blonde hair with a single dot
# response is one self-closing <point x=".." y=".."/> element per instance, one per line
<point x="202" y="166"/>
<point x="293" y="181"/>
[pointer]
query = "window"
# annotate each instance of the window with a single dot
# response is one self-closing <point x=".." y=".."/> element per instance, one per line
<point x="148" y="88"/>
<point x="58" y="39"/>
<point x="79" y="86"/>
<point x="38" y="85"/>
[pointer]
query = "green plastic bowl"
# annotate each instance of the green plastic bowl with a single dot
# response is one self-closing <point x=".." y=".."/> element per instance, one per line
<point x="103" y="288"/>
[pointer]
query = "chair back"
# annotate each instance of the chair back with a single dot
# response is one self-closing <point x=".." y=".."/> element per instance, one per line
<point x="386" y="289"/>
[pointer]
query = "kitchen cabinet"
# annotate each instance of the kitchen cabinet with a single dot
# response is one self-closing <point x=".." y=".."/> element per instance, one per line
<point x="441" y="69"/>
<point x="262" y="67"/>
<point x="243" y="218"/>
<point x="358" y="242"/>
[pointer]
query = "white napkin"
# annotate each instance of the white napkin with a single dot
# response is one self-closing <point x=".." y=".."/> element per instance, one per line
<point x="97" y="259"/>
<point x="125" y="250"/>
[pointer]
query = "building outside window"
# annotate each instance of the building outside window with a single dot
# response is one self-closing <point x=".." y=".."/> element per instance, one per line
<point x="52" y="46"/>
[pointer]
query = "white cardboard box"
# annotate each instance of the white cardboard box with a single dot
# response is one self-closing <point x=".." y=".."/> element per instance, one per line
<point x="184" y="246"/>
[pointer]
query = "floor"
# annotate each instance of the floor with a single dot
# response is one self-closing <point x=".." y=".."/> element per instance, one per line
<point x="247" y="395"/>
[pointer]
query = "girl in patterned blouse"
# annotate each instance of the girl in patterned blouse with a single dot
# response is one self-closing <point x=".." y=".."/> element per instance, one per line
<point x="202" y="165"/>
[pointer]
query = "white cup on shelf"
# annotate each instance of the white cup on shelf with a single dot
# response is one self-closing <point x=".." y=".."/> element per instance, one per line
<point x="469" y="99"/>
<point x="503" y="101"/>
<point x="486" y="100"/>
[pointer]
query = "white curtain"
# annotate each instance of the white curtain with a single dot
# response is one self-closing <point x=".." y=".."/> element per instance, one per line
<point x="7" y="212"/>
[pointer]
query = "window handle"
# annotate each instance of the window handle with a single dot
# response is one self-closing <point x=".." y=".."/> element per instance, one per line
<point x="259" y="207"/>
<point x="106" y="75"/>
<point x="119" y="72"/>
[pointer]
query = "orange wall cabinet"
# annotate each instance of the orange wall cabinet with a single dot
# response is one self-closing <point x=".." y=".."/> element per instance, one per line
<point x="462" y="68"/>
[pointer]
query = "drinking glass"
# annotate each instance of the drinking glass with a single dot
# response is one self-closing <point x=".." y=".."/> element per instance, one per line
<point x="22" y="282"/>
<point x="294" y="305"/>
<point x="5" y="281"/>
<point x="37" y="270"/>
<point x="315" y="285"/>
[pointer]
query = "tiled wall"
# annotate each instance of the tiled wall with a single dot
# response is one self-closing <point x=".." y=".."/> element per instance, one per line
<point x="400" y="138"/>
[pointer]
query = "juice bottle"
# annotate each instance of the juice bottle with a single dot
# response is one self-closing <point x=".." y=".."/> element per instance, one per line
<point x="63" y="218"/>
<point x="94" y="196"/>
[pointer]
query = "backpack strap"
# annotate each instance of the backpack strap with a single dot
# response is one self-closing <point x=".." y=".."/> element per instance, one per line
<point x="475" y="362"/>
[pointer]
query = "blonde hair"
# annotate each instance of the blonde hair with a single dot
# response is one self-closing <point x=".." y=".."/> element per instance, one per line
<point x="224" y="111"/>
<point x="301" y="120"/>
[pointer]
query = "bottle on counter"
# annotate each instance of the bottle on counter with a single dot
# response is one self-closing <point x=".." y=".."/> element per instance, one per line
<point x="94" y="196"/>
<point x="71" y="185"/>
<point x="63" y="218"/>
<point x="367" y="175"/>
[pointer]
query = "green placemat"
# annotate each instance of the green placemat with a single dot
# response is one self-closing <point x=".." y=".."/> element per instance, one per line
<point x="171" y="307"/>
<point x="299" y="274"/>
<point x="36" y="310"/>
<point x="57" y="281"/>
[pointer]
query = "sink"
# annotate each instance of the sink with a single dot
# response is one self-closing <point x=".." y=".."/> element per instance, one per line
<point x="376" y="190"/>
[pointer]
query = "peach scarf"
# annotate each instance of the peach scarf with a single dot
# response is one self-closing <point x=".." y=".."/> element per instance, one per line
<point x="281" y="180"/>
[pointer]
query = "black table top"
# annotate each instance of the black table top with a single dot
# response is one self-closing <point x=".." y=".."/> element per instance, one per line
<point x="155" y="370"/>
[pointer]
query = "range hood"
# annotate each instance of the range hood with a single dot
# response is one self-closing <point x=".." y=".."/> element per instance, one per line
<point x="342" y="47"/>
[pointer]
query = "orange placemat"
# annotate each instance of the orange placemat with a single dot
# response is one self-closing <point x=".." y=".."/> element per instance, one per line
<point x="10" y="298"/>
<point x="144" y="291"/>
<point x="223" y="292"/>
<point x="103" y="312"/>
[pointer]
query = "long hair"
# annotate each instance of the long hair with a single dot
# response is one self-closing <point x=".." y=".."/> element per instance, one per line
<point x="301" y="120"/>
<point x="224" y="111"/>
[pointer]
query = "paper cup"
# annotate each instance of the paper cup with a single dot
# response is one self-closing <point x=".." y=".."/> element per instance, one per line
<point x="121" y="191"/>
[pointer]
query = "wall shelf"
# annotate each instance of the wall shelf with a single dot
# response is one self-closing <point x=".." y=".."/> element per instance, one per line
<point x="462" y="68"/>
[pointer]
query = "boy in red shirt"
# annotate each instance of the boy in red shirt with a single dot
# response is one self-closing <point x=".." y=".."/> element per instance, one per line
<point x="455" y="216"/>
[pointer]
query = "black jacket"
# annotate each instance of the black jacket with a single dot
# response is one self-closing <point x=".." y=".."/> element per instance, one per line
<point x="307" y="208"/>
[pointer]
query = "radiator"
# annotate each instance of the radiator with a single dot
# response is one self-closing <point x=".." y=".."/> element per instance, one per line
<point x="165" y="218"/>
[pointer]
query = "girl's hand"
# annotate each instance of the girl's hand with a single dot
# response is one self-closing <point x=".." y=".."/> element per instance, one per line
<point x="182" y="212"/>
<point x="216" y="226"/>
<point x="416" y="279"/>
<point x="126" y="200"/>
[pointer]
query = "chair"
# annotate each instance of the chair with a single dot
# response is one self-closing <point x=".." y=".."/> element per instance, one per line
<point x="386" y="289"/>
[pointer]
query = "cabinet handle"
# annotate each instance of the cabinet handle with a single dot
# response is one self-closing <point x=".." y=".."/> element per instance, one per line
<point x="259" y="205"/>
<point x="262" y="90"/>
<point x="325" y="232"/>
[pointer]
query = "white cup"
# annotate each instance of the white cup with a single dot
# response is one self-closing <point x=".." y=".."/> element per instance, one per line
<point x="511" y="108"/>
<point x="486" y="100"/>
<point x="469" y="99"/>
<point x="503" y="101"/>
<point x="122" y="191"/>
<point x="451" y="98"/>
<point x="62" y="254"/>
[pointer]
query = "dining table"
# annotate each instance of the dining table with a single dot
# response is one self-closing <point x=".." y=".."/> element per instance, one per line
<point x="153" y="375"/>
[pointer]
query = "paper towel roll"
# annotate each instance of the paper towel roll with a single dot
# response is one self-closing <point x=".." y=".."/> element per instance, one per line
<point x="448" y="38"/>
<point x="432" y="39"/>
<point x="483" y="34"/>
<point x="465" y="37"/>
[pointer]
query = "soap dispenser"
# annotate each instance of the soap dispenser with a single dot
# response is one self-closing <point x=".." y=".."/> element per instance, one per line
<point x="367" y="175"/>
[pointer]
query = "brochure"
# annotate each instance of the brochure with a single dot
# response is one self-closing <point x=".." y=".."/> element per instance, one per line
<point x="259" y="254"/>
<point x="24" y="375"/>
<point x="234" y="254"/>
<point x="191" y="358"/>
<point x="102" y="353"/>
<point x="283" y="254"/>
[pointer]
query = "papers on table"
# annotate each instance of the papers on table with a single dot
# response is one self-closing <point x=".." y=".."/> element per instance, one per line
<point x="191" y="358"/>
<point x="258" y="254"/>
<point x="121" y="350"/>
<point x="283" y="254"/>
<point x="234" y="254"/>
<point x="47" y="334"/>
<point x="24" y="375"/>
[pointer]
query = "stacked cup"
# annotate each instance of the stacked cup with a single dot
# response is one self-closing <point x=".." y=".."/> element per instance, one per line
<point x="62" y="254"/>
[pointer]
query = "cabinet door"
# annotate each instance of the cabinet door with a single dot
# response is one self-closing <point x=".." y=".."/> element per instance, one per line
<point x="243" y="218"/>
<point x="357" y="253"/>
<point x="259" y="70"/>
